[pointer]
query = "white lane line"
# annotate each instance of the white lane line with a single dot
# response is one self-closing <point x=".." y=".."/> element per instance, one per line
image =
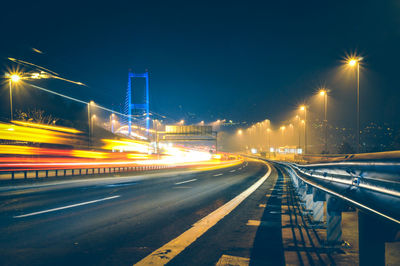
<point x="121" y="185"/>
<point x="218" y="174"/>
<point x="66" y="207"/>
<point x="187" y="181"/>
<point x="170" y="250"/>
<point x="232" y="171"/>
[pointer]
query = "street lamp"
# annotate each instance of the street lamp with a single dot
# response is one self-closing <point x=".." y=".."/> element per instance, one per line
<point x="304" y="108"/>
<point x="355" y="62"/>
<point x="91" y="129"/>
<point x="324" y="93"/>
<point x="269" y="142"/>
<point x="13" y="78"/>
<point x="112" y="121"/>
<point x="240" y="133"/>
<point x="282" y="128"/>
<point x="298" y="129"/>
<point x="89" y="111"/>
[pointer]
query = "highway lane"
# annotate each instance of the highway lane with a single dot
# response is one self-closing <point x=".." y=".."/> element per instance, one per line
<point x="109" y="221"/>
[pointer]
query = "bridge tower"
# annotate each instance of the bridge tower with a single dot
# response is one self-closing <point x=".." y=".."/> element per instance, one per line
<point x="129" y="105"/>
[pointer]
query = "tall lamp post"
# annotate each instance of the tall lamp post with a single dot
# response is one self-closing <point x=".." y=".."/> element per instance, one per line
<point x="299" y="129"/>
<point x="304" y="108"/>
<point x="90" y="124"/>
<point x="240" y="133"/>
<point x="283" y="136"/>
<point x="269" y="142"/>
<point x="112" y="121"/>
<point x="355" y="62"/>
<point x="324" y="93"/>
<point x="13" y="78"/>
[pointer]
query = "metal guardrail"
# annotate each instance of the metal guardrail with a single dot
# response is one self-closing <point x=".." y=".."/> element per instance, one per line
<point x="372" y="186"/>
<point x="45" y="173"/>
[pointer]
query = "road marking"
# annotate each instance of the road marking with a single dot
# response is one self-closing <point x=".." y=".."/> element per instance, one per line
<point x="218" y="174"/>
<point x="226" y="260"/>
<point x="263" y="223"/>
<point x="187" y="181"/>
<point x="66" y="207"/>
<point x="253" y="222"/>
<point x="262" y="205"/>
<point x="170" y="250"/>
<point x="121" y="185"/>
<point x="232" y="171"/>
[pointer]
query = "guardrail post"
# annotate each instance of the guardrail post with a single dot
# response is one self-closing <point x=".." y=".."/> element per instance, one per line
<point x="37" y="174"/>
<point x="334" y="207"/>
<point x="25" y="174"/>
<point x="318" y="205"/>
<point x="308" y="197"/>
<point x="301" y="189"/>
<point x="12" y="175"/>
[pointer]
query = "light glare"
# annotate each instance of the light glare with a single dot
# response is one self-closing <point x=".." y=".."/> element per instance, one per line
<point x="15" y="78"/>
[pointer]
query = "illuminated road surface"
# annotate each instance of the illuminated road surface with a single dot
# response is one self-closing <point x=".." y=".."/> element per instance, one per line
<point x="114" y="221"/>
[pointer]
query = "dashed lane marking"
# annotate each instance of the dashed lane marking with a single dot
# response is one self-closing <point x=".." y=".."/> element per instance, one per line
<point x="232" y="171"/>
<point x="187" y="181"/>
<point x="218" y="174"/>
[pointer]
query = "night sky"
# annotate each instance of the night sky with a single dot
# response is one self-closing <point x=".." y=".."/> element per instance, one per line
<point x="243" y="60"/>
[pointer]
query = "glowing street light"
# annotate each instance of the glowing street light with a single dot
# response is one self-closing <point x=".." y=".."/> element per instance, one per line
<point x="282" y="128"/>
<point x="112" y="122"/>
<point x="355" y="62"/>
<point x="269" y="142"/>
<point x="14" y="78"/>
<point x="324" y="93"/>
<point x="304" y="108"/>
<point x="240" y="133"/>
<point x="90" y="121"/>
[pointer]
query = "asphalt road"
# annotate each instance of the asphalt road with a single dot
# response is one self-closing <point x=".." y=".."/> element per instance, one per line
<point x="120" y="221"/>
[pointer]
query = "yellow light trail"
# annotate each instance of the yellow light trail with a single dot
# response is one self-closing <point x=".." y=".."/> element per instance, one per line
<point x="44" y="126"/>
